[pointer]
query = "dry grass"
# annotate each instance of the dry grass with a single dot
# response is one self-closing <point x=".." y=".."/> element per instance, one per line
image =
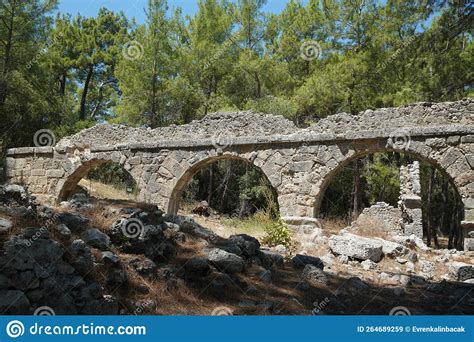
<point x="105" y="191"/>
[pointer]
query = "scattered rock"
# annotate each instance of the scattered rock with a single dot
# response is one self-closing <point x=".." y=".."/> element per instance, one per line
<point x="197" y="267"/>
<point x="461" y="271"/>
<point x="75" y="222"/>
<point x="280" y="249"/>
<point x="428" y="268"/>
<point x="401" y="260"/>
<point x="368" y="265"/>
<point x="343" y="259"/>
<point x="162" y="252"/>
<point x="303" y="260"/>
<point x="269" y="258"/>
<point x="5" y="226"/>
<point x="143" y="266"/>
<point x="392" y="249"/>
<point x="95" y="238"/>
<point x="64" y="232"/>
<point x="110" y="259"/>
<point x="225" y="261"/>
<point x="314" y="275"/>
<point x="82" y="257"/>
<point x="247" y="244"/>
<point x="356" y="247"/>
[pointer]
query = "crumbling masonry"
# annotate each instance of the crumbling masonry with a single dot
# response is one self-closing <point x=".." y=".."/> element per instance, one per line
<point x="299" y="163"/>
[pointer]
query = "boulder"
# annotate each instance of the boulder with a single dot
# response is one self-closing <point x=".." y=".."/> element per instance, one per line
<point x="225" y="261"/>
<point x="95" y="238"/>
<point x="392" y="249"/>
<point x="110" y="259"/>
<point x="368" y="265"/>
<point x="151" y="233"/>
<point x="461" y="271"/>
<point x="197" y="267"/>
<point x="300" y="260"/>
<point x="75" y="222"/>
<point x="116" y="277"/>
<point x="161" y="252"/>
<point x="247" y="244"/>
<point x="189" y="226"/>
<point x="143" y="266"/>
<point x="82" y="258"/>
<point x="5" y="226"/>
<point x="411" y="241"/>
<point x="356" y="247"/>
<point x="314" y="275"/>
<point x="64" y="232"/>
<point x="269" y="258"/>
<point x="355" y="286"/>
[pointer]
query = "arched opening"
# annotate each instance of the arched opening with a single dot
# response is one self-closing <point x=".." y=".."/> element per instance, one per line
<point x="371" y="193"/>
<point x="230" y="191"/>
<point x="101" y="179"/>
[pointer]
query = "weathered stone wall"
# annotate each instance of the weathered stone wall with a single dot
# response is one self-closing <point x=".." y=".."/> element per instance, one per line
<point x="299" y="163"/>
<point x="410" y="200"/>
<point x="381" y="217"/>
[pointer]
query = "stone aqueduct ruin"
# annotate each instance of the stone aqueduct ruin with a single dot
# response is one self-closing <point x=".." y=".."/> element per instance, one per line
<point x="299" y="163"/>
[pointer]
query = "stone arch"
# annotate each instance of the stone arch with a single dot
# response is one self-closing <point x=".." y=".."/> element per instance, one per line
<point x="416" y="149"/>
<point x="69" y="185"/>
<point x="181" y="182"/>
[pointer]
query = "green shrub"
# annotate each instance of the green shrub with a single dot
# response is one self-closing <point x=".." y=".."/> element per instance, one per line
<point x="277" y="233"/>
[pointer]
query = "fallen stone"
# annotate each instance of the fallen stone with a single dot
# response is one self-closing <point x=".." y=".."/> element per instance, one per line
<point x="269" y="258"/>
<point x="356" y="247"/>
<point x="314" y="275"/>
<point x="64" y="232"/>
<point x="368" y="265"/>
<point x="144" y="267"/>
<point x="225" y="261"/>
<point x="392" y="249"/>
<point x="300" y="260"/>
<point x="110" y="259"/>
<point x="75" y="222"/>
<point x="5" y="226"/>
<point x="82" y="256"/>
<point x="247" y="244"/>
<point x="461" y="271"/>
<point x="95" y="238"/>
<point x="401" y="260"/>
<point x="197" y="267"/>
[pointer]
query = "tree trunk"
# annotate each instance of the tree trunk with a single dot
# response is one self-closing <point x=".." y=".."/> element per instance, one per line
<point x="210" y="185"/>
<point x="357" y="190"/>
<point x="82" y="111"/>
<point x="225" y="186"/>
<point x="428" y="205"/>
<point x="7" y="58"/>
<point x="154" y="119"/>
<point x="62" y="83"/>
<point x="445" y="199"/>
<point x="453" y="225"/>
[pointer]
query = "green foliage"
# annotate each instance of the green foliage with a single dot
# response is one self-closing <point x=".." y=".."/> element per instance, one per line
<point x="115" y="175"/>
<point x="277" y="232"/>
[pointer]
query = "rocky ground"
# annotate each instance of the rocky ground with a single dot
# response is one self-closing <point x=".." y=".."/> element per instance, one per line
<point x="105" y="257"/>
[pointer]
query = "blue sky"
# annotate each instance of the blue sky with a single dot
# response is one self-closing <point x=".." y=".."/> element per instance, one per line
<point x="134" y="8"/>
